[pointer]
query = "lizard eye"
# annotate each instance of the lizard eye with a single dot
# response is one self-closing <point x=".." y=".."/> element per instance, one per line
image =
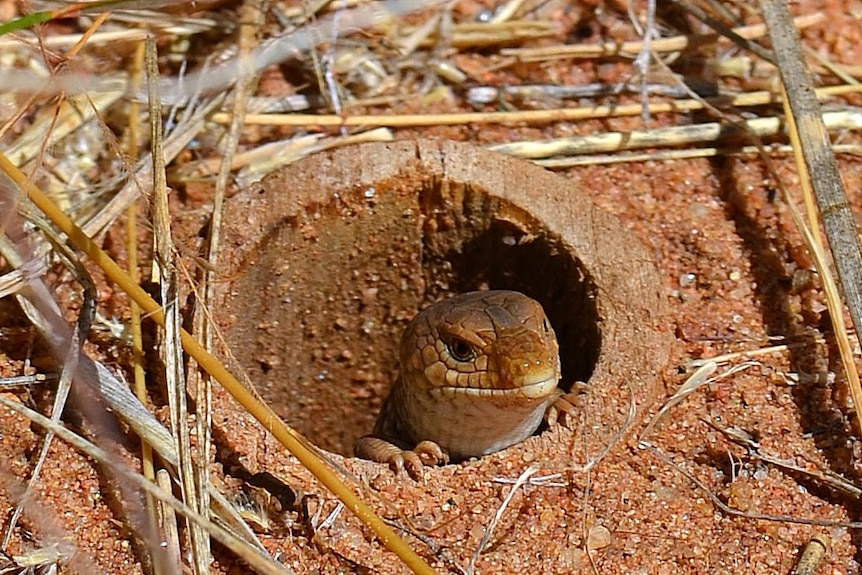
<point x="460" y="349"/>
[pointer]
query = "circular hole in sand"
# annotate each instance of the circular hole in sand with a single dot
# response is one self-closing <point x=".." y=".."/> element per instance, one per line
<point x="328" y="260"/>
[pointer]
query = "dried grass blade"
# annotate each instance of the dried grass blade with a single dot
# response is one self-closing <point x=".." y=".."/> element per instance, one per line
<point x="252" y="19"/>
<point x="519" y="117"/>
<point x="164" y="266"/>
<point x="258" y="561"/>
<point x="167" y="524"/>
<point x="665" y="137"/>
<point x="72" y="114"/>
<point x="700" y="376"/>
<point x="631" y="49"/>
<point x="286" y="152"/>
<point x="819" y="159"/>
<point x="287" y="436"/>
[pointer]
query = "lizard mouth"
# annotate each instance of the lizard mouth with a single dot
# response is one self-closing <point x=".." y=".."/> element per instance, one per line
<point x="535" y="390"/>
<point x="539" y="389"/>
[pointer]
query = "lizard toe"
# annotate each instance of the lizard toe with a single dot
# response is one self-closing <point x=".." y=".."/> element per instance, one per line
<point x="431" y="454"/>
<point x="413" y="464"/>
<point x="562" y="410"/>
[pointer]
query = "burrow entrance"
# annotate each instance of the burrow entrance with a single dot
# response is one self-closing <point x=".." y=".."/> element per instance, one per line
<point x="328" y="260"/>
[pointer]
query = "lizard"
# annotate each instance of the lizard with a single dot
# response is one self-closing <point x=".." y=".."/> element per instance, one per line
<point x="478" y="373"/>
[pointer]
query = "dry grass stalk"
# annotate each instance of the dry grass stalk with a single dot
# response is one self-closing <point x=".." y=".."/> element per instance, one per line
<point x="757" y="98"/>
<point x="820" y="169"/>
<point x="165" y="275"/>
<point x="258" y="561"/>
<point x="104" y="97"/>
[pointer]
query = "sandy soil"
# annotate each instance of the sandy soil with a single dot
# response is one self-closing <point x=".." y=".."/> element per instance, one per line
<point x="735" y="277"/>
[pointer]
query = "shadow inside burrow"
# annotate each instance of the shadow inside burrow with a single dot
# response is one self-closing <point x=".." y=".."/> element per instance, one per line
<point x="494" y="252"/>
<point x="414" y="248"/>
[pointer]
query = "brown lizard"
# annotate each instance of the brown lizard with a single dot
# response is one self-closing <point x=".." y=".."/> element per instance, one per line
<point x="478" y="372"/>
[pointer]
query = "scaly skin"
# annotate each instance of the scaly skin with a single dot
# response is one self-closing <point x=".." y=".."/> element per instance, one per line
<point x="478" y="373"/>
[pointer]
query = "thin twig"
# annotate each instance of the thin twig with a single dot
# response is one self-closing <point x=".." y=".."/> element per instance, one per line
<point x="725" y="508"/>
<point x="258" y="561"/>
<point x="290" y="438"/>
<point x="164" y="271"/>
<point x="489" y="531"/>
<point x="517" y="117"/>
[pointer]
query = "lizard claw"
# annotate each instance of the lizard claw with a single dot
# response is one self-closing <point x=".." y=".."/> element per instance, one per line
<point x="425" y="454"/>
<point x="431" y="454"/>
<point x="413" y="461"/>
<point x="566" y="405"/>
<point x="408" y="461"/>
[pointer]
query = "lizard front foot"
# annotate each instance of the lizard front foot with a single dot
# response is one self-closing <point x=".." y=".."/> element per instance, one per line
<point x="563" y="408"/>
<point x="426" y="453"/>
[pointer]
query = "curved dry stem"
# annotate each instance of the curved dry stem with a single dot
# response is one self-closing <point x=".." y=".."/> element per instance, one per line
<point x="288" y="437"/>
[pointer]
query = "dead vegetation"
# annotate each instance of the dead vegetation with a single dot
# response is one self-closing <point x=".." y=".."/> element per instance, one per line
<point x="126" y="124"/>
